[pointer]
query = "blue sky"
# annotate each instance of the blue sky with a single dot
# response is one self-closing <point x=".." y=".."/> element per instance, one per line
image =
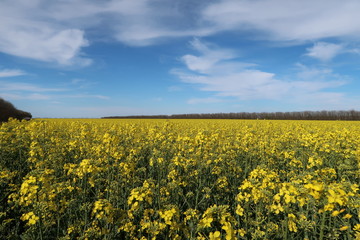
<point x="89" y="58"/>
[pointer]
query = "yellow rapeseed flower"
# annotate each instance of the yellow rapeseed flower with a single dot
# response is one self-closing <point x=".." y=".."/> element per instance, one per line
<point x="206" y="222"/>
<point x="344" y="228"/>
<point x="30" y="217"/>
<point x="215" y="235"/>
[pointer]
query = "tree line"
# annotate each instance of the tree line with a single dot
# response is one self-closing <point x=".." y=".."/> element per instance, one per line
<point x="350" y="115"/>
<point x="8" y="110"/>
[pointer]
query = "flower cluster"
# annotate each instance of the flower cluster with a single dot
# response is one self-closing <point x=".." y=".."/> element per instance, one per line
<point x="179" y="179"/>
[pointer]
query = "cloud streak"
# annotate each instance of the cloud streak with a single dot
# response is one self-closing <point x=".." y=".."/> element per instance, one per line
<point x="21" y="90"/>
<point x="21" y="86"/>
<point x="244" y="82"/>
<point x="283" y="20"/>
<point x="4" y="73"/>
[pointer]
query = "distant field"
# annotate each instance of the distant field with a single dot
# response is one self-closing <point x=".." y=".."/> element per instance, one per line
<point x="179" y="179"/>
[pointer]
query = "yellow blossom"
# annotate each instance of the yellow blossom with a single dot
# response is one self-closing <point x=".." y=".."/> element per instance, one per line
<point x="206" y="222"/>
<point x="344" y="228"/>
<point x="30" y="217"/>
<point x="215" y="235"/>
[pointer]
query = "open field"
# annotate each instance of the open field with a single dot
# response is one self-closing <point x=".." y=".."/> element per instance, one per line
<point x="179" y="179"/>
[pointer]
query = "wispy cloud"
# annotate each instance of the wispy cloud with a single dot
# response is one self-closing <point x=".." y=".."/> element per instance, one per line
<point x="244" y="82"/>
<point x="59" y="31"/>
<point x="21" y="90"/>
<point x="325" y="51"/>
<point x="21" y="86"/>
<point x="24" y="96"/>
<point x="27" y="91"/>
<point x="84" y="96"/>
<point x="11" y="73"/>
<point x="205" y="62"/>
<point x="319" y="74"/>
<point x="28" y="31"/>
<point x="56" y="31"/>
<point x="82" y="83"/>
<point x="287" y="20"/>
<point x="212" y="59"/>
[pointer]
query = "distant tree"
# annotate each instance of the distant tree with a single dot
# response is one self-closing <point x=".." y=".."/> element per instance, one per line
<point x="305" y="115"/>
<point x="7" y="110"/>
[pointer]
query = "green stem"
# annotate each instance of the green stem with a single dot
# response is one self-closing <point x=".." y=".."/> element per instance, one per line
<point x="322" y="226"/>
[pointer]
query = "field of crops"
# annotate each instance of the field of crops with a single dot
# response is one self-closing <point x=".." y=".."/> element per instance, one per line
<point x="179" y="179"/>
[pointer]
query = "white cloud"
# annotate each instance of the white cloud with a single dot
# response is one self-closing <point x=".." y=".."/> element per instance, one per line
<point x="28" y="91"/>
<point x="287" y="20"/>
<point x="325" y="51"/>
<point x="307" y="74"/>
<point x="81" y="83"/>
<point x="27" y="87"/>
<point x="26" y="96"/>
<point x="84" y="96"/>
<point x="58" y="31"/>
<point x="61" y="46"/>
<point x="27" y="31"/>
<point x="154" y="21"/>
<point x="248" y="83"/>
<point x="55" y="31"/>
<point x="212" y="59"/>
<point x="278" y="20"/>
<point x="11" y="73"/>
<point x="205" y="62"/>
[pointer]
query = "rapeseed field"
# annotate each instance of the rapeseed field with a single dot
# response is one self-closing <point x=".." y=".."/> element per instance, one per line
<point x="179" y="179"/>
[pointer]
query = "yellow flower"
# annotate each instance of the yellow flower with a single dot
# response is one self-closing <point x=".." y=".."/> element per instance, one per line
<point x="206" y="222"/>
<point x="335" y="213"/>
<point x="356" y="228"/>
<point x="30" y="217"/>
<point x="167" y="215"/>
<point x="241" y="232"/>
<point x="230" y="233"/>
<point x="277" y="208"/>
<point x="291" y="224"/>
<point x="70" y="229"/>
<point x="344" y="228"/>
<point x="315" y="189"/>
<point x="336" y="197"/>
<point x="329" y="207"/>
<point x="190" y="213"/>
<point x="215" y="235"/>
<point x="239" y="210"/>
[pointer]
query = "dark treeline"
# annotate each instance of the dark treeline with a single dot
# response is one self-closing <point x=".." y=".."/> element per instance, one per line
<point x="8" y="110"/>
<point x="304" y="115"/>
